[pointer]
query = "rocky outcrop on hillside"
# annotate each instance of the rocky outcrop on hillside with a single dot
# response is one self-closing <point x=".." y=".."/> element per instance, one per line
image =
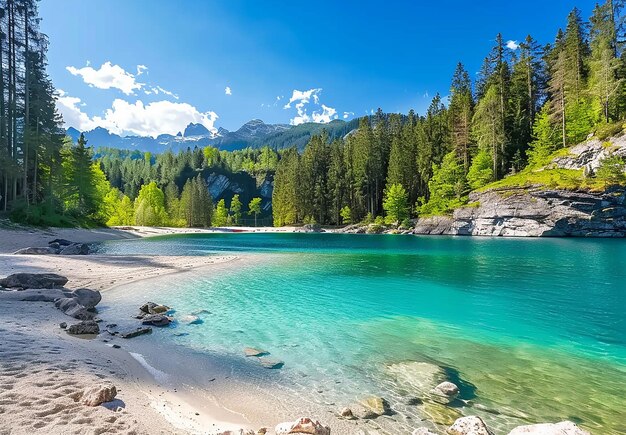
<point x="541" y="212"/>
<point x="535" y="212"/>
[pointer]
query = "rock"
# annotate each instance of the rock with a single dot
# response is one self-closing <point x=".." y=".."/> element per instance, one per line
<point x="472" y="425"/>
<point x="440" y="414"/>
<point x="62" y="325"/>
<point x="251" y="351"/>
<point x="418" y="378"/>
<point x="159" y="309"/>
<point x="33" y="281"/>
<point x="86" y="297"/>
<point x="270" y="363"/>
<point x="98" y="394"/>
<point x="371" y="407"/>
<point x="347" y="413"/>
<point x="33" y="295"/>
<point x="72" y="308"/>
<point x="191" y="320"/>
<point x="303" y="425"/>
<point x="414" y="401"/>
<point x="36" y="251"/>
<point x="422" y="431"/>
<point x="262" y="431"/>
<point x="84" y="327"/>
<point x="562" y="428"/>
<point x="147" y="307"/>
<point x="312" y="228"/>
<point x="156" y="320"/>
<point x="75" y="249"/>
<point x="445" y="392"/>
<point x="136" y="333"/>
<point x="61" y="242"/>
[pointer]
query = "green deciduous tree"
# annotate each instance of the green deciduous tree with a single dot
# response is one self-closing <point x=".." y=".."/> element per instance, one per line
<point x="254" y="208"/>
<point x="396" y="204"/>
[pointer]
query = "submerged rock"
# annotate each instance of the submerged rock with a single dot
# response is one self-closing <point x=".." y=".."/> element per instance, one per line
<point x="136" y="333"/>
<point x="303" y="425"/>
<point x="33" y="281"/>
<point x="562" y="428"/>
<point x="422" y="431"/>
<point x="98" y="394"/>
<point x="371" y="407"/>
<point x="445" y="392"/>
<point x="440" y="414"/>
<point x="271" y="363"/>
<point x="472" y="425"/>
<point x="191" y="320"/>
<point x="417" y="377"/>
<point x="251" y="351"/>
<point x="84" y="327"/>
<point x="156" y="320"/>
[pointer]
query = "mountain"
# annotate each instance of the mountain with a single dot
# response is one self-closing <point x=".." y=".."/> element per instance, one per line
<point x="254" y="133"/>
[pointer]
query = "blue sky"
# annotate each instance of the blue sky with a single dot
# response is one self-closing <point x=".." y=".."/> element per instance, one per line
<point x="150" y="66"/>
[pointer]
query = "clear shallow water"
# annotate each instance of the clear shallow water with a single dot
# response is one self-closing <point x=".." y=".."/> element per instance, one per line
<point x="535" y="328"/>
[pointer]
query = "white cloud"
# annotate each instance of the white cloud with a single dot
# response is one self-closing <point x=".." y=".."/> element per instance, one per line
<point x="159" y="90"/>
<point x="302" y="99"/>
<point x="108" y="76"/>
<point x="228" y="91"/>
<point x="141" y="69"/>
<point x="137" y="118"/>
<point x="73" y="116"/>
<point x="346" y="115"/>
<point x="512" y="45"/>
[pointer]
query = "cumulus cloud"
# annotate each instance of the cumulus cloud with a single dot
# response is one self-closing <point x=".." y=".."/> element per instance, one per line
<point x="108" y="76"/>
<point x="512" y="45"/>
<point x="137" y="118"/>
<point x="140" y="69"/>
<point x="346" y="115"/>
<point x="228" y="91"/>
<point x="302" y="99"/>
<point x="159" y="90"/>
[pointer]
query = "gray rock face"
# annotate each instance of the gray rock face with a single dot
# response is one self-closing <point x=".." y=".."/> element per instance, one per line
<point x="99" y="394"/>
<point x="535" y="212"/>
<point x="86" y="297"/>
<point x="75" y="249"/>
<point x="471" y="425"/>
<point x="84" y="327"/>
<point x="33" y="281"/>
<point x="562" y="428"/>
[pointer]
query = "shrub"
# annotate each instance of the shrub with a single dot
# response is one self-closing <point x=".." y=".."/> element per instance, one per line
<point x="605" y="131"/>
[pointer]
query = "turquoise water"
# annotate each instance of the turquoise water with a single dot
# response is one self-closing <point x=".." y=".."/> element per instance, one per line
<point x="532" y="328"/>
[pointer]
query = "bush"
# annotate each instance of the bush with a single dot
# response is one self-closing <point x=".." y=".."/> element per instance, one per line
<point x="374" y="229"/>
<point x="42" y="215"/>
<point x="379" y="220"/>
<point x="605" y="131"/>
<point x="406" y="224"/>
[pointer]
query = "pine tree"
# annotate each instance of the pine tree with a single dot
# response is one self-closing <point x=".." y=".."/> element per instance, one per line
<point x="461" y="111"/>
<point x="396" y="204"/>
<point x="235" y="210"/>
<point x="254" y="208"/>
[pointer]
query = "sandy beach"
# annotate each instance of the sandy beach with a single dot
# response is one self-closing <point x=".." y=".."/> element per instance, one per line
<point x="43" y="369"/>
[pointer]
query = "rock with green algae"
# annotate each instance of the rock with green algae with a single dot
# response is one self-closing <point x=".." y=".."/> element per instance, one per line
<point x="440" y="414"/>
<point x="371" y="407"/>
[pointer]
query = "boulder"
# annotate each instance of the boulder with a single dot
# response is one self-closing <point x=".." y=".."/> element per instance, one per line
<point x="156" y="320"/>
<point x="146" y="308"/>
<point x="472" y="425"/>
<point x="159" y="309"/>
<point x="99" y="394"/>
<point x="75" y="249"/>
<point x="562" y="428"/>
<point x="72" y="308"/>
<point x="312" y="228"/>
<point x="271" y="363"/>
<point x="136" y="333"/>
<point x="152" y="308"/>
<point x="251" y="351"/>
<point x="36" y="251"/>
<point x="303" y="425"/>
<point x="84" y="327"/>
<point x="63" y="325"/>
<point x="445" y="392"/>
<point x="418" y="378"/>
<point x="371" y="407"/>
<point x="86" y="297"/>
<point x="347" y="413"/>
<point x="33" y="280"/>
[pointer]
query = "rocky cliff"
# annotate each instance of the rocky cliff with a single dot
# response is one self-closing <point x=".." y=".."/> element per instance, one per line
<point x="535" y="211"/>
